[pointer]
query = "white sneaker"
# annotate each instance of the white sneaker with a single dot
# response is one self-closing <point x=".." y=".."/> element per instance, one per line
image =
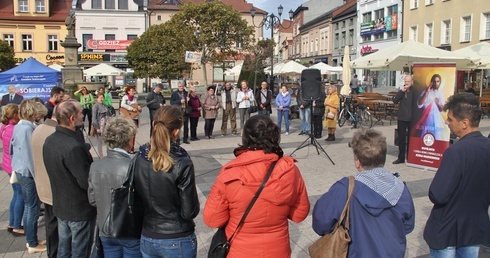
<point x="287" y="133"/>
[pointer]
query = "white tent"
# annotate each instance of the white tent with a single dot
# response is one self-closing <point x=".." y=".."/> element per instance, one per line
<point x="103" y="70"/>
<point x="277" y="67"/>
<point x="290" y="67"/>
<point x="234" y="71"/>
<point x="326" y="69"/>
<point x="477" y="51"/>
<point x="56" y="67"/>
<point x="396" y="57"/>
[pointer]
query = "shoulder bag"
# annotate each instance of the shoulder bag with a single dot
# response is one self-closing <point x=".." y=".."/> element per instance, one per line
<point x="336" y="243"/>
<point x="220" y="245"/>
<point x="125" y="218"/>
<point x="253" y="107"/>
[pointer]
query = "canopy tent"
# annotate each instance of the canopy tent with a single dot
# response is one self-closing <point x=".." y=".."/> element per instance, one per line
<point x="326" y="69"/>
<point x="477" y="51"/>
<point x="234" y="71"/>
<point x="103" y="70"/>
<point x="31" y="79"/>
<point x="399" y="56"/>
<point x="346" y="76"/>
<point x="276" y="68"/>
<point x="56" y="67"/>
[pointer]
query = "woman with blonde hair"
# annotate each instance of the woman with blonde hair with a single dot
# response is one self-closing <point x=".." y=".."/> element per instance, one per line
<point x="23" y="165"/>
<point x="332" y="104"/>
<point x="164" y="175"/>
<point x="9" y="119"/>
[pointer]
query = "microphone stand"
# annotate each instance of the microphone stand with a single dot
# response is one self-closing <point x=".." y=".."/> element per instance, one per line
<point x="311" y="140"/>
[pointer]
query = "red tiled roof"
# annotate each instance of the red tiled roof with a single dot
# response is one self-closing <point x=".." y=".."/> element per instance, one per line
<point x="286" y="24"/>
<point x="58" y="12"/>
<point x="343" y="8"/>
<point x="239" y="5"/>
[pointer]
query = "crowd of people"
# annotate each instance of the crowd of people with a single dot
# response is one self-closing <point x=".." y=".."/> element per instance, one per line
<point x="53" y="165"/>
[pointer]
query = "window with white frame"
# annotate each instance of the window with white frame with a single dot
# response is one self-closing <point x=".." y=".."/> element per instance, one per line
<point x="392" y="9"/>
<point x="96" y="4"/>
<point x="351" y="22"/>
<point x="26" y="42"/>
<point x="110" y="4"/>
<point x="446" y="32"/>
<point x="428" y="34"/>
<point x="9" y="38"/>
<point x="316" y="46"/>
<point x="53" y="43"/>
<point x="486" y="26"/>
<point x="336" y="41"/>
<point x="414" y="4"/>
<point x="466" y="29"/>
<point x="311" y="47"/>
<point x="379" y="14"/>
<point x="429" y="2"/>
<point x="413" y="33"/>
<point x="351" y="37"/>
<point x="40" y="6"/>
<point x="122" y="4"/>
<point x="23" y="6"/>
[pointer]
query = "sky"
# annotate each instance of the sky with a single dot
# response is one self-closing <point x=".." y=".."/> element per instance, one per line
<point x="270" y="6"/>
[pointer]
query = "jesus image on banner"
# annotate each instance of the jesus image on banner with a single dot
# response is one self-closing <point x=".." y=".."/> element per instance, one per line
<point x="431" y="102"/>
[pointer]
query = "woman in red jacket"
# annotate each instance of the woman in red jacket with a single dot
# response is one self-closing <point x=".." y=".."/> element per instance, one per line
<point x="265" y="231"/>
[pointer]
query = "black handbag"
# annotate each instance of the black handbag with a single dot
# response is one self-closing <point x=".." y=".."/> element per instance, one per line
<point x="187" y="110"/>
<point x="125" y="218"/>
<point x="220" y="245"/>
<point x="253" y="107"/>
<point x="97" y="250"/>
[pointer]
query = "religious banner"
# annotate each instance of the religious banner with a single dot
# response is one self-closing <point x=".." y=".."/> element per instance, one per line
<point x="433" y="84"/>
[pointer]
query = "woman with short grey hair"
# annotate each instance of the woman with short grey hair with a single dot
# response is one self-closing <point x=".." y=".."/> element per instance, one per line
<point x="108" y="173"/>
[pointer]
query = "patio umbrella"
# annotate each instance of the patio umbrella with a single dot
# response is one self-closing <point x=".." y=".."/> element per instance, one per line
<point x="103" y="70"/>
<point x="234" y="71"/>
<point x="399" y="56"/>
<point x="346" y="72"/>
<point x="290" y="67"/>
<point x="324" y="68"/>
<point x="477" y="51"/>
<point x="57" y="67"/>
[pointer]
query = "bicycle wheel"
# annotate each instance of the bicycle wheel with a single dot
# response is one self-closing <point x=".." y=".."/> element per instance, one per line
<point x="342" y="117"/>
<point x="365" y="119"/>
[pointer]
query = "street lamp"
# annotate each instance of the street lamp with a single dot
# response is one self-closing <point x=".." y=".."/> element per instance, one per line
<point x="269" y="22"/>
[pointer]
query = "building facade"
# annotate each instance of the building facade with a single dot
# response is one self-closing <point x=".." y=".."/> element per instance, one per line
<point x="344" y="29"/>
<point x="34" y="28"/>
<point x="379" y="28"/>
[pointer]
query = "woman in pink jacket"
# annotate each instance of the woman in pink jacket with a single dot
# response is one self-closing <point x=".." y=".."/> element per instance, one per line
<point x="265" y="231"/>
<point x="9" y="120"/>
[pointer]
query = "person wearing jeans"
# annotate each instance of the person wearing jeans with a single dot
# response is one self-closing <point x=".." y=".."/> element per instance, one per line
<point x="304" y="113"/>
<point x="23" y="165"/>
<point x="244" y="98"/>
<point x="176" y="247"/>
<point x="283" y="101"/>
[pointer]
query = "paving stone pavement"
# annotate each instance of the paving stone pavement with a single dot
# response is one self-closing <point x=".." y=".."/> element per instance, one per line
<point x="318" y="172"/>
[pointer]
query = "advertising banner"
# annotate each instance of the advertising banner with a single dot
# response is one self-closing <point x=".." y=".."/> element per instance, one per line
<point x="429" y="134"/>
<point x="29" y="91"/>
<point x="109" y="44"/>
<point x="193" y="57"/>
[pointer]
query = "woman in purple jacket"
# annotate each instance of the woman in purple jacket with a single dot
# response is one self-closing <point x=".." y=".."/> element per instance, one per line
<point x="283" y="101"/>
<point x="9" y="120"/>
<point x="195" y="104"/>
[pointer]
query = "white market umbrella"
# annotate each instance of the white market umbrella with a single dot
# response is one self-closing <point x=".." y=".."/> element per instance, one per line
<point x="290" y="67"/>
<point x="327" y="69"/>
<point x="346" y="72"/>
<point x="399" y="56"/>
<point x="477" y="51"/>
<point x="277" y="67"/>
<point x="234" y="71"/>
<point x="103" y="70"/>
<point x="56" y="67"/>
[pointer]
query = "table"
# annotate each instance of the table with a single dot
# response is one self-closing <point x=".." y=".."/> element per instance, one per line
<point x="381" y="109"/>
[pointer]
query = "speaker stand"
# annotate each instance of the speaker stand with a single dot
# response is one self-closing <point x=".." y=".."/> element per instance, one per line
<point x="311" y="140"/>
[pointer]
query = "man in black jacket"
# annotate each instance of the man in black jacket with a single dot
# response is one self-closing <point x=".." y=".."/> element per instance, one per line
<point x="459" y="221"/>
<point x="180" y="98"/>
<point x="317" y="112"/>
<point x="405" y="99"/>
<point x="67" y="160"/>
<point x="263" y="98"/>
<point x="155" y="100"/>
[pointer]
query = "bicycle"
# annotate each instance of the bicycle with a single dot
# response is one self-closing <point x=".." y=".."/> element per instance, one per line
<point x="357" y="114"/>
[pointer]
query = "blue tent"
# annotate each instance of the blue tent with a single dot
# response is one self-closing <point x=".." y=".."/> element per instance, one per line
<point x="31" y="79"/>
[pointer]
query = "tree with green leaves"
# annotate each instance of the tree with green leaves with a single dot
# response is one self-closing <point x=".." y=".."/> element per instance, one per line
<point x="159" y="52"/>
<point x="7" y="56"/>
<point x="217" y="30"/>
<point x="254" y="64"/>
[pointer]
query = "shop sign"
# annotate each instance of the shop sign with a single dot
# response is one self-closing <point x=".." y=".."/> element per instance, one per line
<point x="108" y="44"/>
<point x="50" y="57"/>
<point x="365" y="50"/>
<point x="118" y="58"/>
<point x="373" y="27"/>
<point x="19" y="60"/>
<point x="93" y="57"/>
